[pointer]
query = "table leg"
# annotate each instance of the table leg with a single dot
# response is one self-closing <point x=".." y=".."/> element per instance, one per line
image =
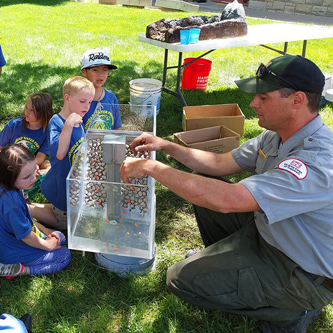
<point x="179" y="74"/>
<point x="165" y="66"/>
<point x="285" y="48"/>
<point x="178" y="92"/>
<point x="304" y="48"/>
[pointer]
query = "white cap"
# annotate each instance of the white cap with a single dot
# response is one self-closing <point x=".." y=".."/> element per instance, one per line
<point x="96" y="57"/>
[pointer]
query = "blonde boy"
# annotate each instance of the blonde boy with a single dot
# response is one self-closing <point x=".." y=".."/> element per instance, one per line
<point x="65" y="135"/>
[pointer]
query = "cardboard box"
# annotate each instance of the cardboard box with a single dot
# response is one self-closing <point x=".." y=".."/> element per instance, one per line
<point x="202" y="116"/>
<point x="217" y="139"/>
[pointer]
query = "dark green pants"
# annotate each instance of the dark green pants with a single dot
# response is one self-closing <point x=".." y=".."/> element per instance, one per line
<point x="239" y="272"/>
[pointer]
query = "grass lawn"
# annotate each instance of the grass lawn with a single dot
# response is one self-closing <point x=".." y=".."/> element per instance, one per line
<point x="43" y="42"/>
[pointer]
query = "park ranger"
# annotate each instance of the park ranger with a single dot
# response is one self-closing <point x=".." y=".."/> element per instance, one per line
<point x="268" y="239"/>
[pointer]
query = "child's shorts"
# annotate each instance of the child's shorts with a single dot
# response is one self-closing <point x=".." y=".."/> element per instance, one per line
<point x="61" y="217"/>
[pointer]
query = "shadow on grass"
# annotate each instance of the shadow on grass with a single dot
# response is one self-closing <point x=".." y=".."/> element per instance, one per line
<point x="21" y="80"/>
<point x="4" y="3"/>
<point x="90" y="299"/>
<point x="172" y="214"/>
<point x="24" y="79"/>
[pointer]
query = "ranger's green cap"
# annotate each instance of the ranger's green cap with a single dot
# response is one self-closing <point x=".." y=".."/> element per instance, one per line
<point x="287" y="71"/>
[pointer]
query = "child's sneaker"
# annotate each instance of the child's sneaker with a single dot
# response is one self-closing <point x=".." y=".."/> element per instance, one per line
<point x="11" y="270"/>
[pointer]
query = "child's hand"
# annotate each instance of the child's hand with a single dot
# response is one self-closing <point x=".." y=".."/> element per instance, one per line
<point x="53" y="234"/>
<point x="52" y="243"/>
<point x="37" y="170"/>
<point x="74" y="120"/>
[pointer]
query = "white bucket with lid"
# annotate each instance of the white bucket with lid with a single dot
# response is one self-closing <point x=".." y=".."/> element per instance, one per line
<point x="146" y="92"/>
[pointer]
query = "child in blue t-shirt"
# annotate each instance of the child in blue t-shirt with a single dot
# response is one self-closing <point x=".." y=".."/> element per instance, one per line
<point x="2" y="60"/>
<point x="39" y="249"/>
<point x="104" y="110"/>
<point x="30" y="130"/>
<point x="65" y="135"/>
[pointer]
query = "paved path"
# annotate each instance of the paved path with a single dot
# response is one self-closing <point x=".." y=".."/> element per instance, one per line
<point x="213" y="7"/>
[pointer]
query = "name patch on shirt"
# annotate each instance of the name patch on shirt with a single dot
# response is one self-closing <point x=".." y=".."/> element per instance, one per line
<point x="295" y="167"/>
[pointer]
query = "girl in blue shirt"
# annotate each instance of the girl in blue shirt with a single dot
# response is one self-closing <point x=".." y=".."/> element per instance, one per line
<point x="39" y="249"/>
<point x="30" y="129"/>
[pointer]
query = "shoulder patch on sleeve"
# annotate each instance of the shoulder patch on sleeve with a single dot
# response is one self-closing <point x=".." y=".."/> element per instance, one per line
<point x="295" y="167"/>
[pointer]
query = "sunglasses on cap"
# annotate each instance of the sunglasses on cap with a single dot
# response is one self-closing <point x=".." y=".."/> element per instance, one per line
<point x="262" y="70"/>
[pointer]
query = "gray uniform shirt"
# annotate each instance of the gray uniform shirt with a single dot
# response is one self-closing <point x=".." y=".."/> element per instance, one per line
<point x="293" y="185"/>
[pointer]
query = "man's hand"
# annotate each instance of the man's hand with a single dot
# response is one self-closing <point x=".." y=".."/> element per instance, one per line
<point x="133" y="168"/>
<point x="147" y="142"/>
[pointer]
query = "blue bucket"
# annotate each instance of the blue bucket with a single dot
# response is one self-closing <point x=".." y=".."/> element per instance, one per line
<point x="124" y="266"/>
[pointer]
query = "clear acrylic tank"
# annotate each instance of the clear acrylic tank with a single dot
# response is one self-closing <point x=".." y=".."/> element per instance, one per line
<point x="104" y="214"/>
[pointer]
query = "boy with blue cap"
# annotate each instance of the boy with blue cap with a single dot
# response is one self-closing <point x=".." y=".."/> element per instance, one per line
<point x="268" y="239"/>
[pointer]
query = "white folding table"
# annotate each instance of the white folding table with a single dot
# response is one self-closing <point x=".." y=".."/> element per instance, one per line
<point x="260" y="34"/>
